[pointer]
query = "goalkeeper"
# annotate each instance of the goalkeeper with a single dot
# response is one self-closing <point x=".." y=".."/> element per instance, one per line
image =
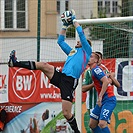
<point x="76" y="62"/>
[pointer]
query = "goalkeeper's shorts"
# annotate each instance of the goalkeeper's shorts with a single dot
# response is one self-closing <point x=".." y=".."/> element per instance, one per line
<point x="66" y="84"/>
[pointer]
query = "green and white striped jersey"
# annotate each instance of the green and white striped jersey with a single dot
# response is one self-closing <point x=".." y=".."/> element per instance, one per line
<point x="91" y="98"/>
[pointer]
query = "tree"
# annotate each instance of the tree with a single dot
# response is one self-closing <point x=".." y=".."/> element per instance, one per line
<point x="115" y="38"/>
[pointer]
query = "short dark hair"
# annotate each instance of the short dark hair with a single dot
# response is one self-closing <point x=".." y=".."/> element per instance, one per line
<point x="97" y="55"/>
<point x="89" y="41"/>
<point x="101" y="55"/>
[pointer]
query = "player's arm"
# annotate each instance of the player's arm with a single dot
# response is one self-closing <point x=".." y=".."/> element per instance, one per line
<point x="114" y="80"/>
<point x="100" y="76"/>
<point x="87" y="83"/>
<point x="64" y="46"/>
<point x="83" y="39"/>
<point x="61" y="39"/>
<point x="86" y="88"/>
<point x="105" y="83"/>
<point x="111" y="77"/>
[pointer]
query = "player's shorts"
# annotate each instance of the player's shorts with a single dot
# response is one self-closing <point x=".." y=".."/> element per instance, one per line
<point x="66" y="84"/>
<point x="104" y="112"/>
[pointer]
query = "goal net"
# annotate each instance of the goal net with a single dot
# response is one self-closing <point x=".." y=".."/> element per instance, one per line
<point x="31" y="27"/>
<point x="116" y="37"/>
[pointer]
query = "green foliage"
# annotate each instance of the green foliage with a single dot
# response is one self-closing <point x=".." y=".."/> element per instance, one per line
<point x="102" y="13"/>
<point x="127" y="8"/>
<point x="115" y="40"/>
<point x="70" y="32"/>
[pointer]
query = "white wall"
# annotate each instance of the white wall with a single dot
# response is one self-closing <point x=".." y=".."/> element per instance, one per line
<point x="26" y="48"/>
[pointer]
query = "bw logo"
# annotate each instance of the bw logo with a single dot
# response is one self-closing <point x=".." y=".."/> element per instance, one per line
<point x="24" y="83"/>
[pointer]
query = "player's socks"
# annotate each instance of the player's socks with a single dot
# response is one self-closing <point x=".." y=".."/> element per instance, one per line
<point x="25" y="64"/>
<point x="105" y="130"/>
<point x="97" y="130"/>
<point x="73" y="124"/>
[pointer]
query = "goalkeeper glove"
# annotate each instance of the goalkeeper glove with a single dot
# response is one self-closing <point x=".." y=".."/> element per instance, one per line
<point x="65" y="23"/>
<point x="73" y="18"/>
<point x="68" y="18"/>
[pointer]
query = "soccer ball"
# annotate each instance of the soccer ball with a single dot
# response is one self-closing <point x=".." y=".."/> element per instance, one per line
<point x="66" y="17"/>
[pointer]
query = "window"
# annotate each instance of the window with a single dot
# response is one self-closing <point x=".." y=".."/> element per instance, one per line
<point x="14" y="14"/>
<point x="21" y="14"/>
<point x="58" y="7"/>
<point x="100" y="6"/>
<point x="8" y="14"/>
<point x="62" y="5"/>
<point x="114" y="7"/>
<point x="66" y="5"/>
<point x="107" y="7"/>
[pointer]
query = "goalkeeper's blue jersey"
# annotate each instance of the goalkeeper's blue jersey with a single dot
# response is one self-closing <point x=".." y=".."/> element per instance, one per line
<point x="78" y="58"/>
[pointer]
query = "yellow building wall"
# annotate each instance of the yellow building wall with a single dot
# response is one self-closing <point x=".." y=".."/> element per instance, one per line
<point x="95" y="9"/>
<point x="48" y="20"/>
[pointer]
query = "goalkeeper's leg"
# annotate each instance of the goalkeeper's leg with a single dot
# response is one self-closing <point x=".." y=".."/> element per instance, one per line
<point x="46" y="68"/>
<point x="73" y="124"/>
<point x="66" y="109"/>
<point x="24" y="64"/>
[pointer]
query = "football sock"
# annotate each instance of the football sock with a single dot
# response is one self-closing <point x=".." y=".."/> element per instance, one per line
<point x="73" y="124"/>
<point x="105" y="130"/>
<point x="25" y="64"/>
<point x="97" y="130"/>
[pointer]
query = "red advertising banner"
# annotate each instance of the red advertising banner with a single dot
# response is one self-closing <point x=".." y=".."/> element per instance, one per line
<point x="34" y="87"/>
<point x="110" y="64"/>
<point x="14" y="109"/>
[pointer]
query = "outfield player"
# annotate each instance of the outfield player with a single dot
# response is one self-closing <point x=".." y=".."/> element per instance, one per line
<point x="88" y="86"/>
<point x="76" y="62"/>
<point x="110" y="75"/>
<point x="100" y="116"/>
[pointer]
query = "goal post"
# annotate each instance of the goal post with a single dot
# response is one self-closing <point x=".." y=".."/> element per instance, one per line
<point x="112" y="31"/>
<point x="105" y="20"/>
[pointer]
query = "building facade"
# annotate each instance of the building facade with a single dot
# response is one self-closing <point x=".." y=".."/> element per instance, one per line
<point x="19" y="18"/>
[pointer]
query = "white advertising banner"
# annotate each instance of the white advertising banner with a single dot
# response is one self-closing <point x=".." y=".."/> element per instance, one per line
<point x="3" y="83"/>
<point x="124" y="74"/>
